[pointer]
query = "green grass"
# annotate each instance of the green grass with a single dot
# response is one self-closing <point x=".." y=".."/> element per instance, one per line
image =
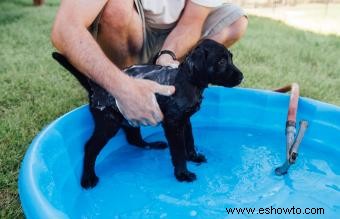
<point x="273" y="54"/>
<point x="35" y="90"/>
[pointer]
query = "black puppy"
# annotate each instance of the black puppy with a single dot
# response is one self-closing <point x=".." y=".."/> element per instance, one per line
<point x="209" y="63"/>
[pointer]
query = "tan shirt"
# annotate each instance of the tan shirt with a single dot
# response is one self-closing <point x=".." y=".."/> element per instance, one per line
<point x="163" y="14"/>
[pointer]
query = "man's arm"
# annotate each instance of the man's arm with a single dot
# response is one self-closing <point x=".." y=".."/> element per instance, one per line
<point x="70" y="36"/>
<point x="186" y="33"/>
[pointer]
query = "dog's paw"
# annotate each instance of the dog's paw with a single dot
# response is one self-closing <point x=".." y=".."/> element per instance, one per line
<point x="186" y="176"/>
<point x="89" y="181"/>
<point x="197" y="158"/>
<point x="156" y="145"/>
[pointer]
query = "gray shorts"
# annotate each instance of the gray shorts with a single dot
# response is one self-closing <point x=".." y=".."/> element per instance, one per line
<point x="218" y="19"/>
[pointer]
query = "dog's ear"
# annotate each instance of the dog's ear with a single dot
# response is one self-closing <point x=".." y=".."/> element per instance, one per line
<point x="197" y="66"/>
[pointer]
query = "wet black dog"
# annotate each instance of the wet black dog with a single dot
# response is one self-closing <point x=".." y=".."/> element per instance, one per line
<point x="208" y="63"/>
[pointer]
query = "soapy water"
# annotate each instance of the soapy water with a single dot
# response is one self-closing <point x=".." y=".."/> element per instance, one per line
<point x="139" y="183"/>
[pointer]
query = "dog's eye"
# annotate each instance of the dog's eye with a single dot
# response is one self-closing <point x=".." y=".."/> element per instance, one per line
<point x="222" y="61"/>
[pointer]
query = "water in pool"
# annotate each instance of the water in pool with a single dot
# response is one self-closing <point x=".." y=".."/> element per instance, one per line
<point x="137" y="183"/>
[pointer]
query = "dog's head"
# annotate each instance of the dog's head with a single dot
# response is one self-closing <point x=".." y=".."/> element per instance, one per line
<point x="211" y="63"/>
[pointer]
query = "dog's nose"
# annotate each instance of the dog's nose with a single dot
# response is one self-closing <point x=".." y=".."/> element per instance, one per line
<point x="241" y="79"/>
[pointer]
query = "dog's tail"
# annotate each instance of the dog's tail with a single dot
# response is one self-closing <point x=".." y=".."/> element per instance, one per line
<point x="83" y="80"/>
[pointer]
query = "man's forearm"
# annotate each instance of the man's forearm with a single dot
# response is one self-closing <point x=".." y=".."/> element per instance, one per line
<point x="188" y="30"/>
<point x="77" y="44"/>
<point x="181" y="40"/>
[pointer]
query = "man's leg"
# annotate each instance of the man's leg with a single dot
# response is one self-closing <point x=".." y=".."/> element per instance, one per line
<point x="231" y="34"/>
<point x="120" y="32"/>
<point x="226" y="25"/>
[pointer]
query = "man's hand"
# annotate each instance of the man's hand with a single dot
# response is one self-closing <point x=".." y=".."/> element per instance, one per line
<point x="167" y="60"/>
<point x="137" y="101"/>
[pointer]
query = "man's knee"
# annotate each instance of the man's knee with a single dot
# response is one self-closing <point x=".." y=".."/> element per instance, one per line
<point x="230" y="34"/>
<point x="238" y="28"/>
<point x="120" y="32"/>
<point x="118" y="14"/>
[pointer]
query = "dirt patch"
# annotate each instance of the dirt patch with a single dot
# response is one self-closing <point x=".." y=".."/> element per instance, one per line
<point x="319" y="18"/>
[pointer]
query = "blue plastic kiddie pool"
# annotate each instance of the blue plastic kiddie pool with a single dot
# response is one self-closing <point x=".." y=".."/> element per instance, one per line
<point x="242" y="134"/>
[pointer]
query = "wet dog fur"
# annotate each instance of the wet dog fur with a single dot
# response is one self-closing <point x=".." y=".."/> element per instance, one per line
<point x="208" y="63"/>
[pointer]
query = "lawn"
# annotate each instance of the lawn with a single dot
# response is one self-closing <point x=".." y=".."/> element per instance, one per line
<point x="35" y="90"/>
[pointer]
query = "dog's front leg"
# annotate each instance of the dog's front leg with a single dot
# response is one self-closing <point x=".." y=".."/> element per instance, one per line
<point x="175" y="134"/>
<point x="192" y="155"/>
